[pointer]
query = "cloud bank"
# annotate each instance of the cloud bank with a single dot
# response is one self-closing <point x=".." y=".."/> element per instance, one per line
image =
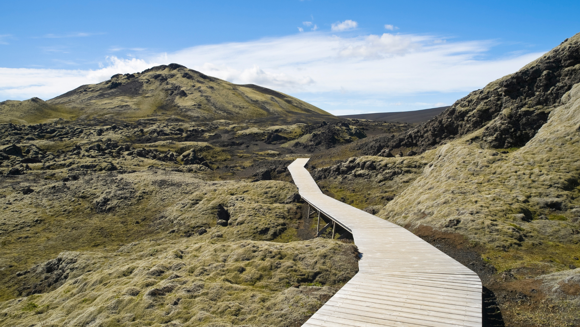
<point x="317" y="66"/>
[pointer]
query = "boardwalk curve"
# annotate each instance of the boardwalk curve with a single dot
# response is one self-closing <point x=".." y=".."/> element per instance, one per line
<point x="402" y="280"/>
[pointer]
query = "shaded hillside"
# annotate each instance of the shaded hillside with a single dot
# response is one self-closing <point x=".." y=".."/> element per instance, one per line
<point x="410" y="117"/>
<point x="513" y="107"/>
<point x="163" y="92"/>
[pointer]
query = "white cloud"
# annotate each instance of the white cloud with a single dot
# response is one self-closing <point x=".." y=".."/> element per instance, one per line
<point x="313" y="27"/>
<point x="55" y="49"/>
<point x="23" y="83"/>
<point x="318" y="67"/>
<point x="344" y="26"/>
<point x="391" y="27"/>
<point x="377" y="47"/>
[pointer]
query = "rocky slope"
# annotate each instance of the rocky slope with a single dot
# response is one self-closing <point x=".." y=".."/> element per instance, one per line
<point x="512" y="109"/>
<point x="164" y="92"/>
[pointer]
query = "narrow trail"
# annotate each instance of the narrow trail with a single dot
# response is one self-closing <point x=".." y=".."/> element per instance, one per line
<point x="402" y="280"/>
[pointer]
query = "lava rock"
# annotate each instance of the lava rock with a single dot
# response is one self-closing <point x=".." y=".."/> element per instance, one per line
<point x="223" y="216"/>
<point x="12" y="150"/>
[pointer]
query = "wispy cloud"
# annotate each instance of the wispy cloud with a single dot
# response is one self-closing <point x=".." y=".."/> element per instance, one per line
<point x="344" y="26"/>
<point x="4" y="37"/>
<point x="378" y="47"/>
<point x="23" y="83"/>
<point x="69" y="35"/>
<point x="66" y="62"/>
<point x="55" y="49"/>
<point x="391" y="27"/>
<point x="311" y="25"/>
<point x="317" y="66"/>
<point x="117" y="49"/>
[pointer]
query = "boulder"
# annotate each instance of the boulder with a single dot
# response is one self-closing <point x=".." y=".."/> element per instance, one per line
<point x="12" y="150"/>
<point x="223" y="216"/>
<point x="386" y="153"/>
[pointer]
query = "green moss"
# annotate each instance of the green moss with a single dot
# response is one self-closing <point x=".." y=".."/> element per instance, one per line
<point x="289" y="235"/>
<point x="30" y="306"/>
<point x="557" y="217"/>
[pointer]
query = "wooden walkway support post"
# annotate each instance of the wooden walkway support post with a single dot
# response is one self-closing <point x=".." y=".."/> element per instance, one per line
<point x="333" y="228"/>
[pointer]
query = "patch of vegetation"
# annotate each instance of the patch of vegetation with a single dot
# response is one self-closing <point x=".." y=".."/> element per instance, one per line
<point x="30" y="306"/>
<point x="558" y="217"/>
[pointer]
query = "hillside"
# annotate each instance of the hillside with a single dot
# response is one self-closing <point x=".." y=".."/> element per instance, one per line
<point x="163" y="92"/>
<point x="411" y="117"/>
<point x="512" y="109"/>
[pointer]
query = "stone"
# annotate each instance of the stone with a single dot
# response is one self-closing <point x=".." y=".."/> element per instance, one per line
<point x="132" y="291"/>
<point x="15" y="171"/>
<point x="222" y="222"/>
<point x="161" y="291"/>
<point x="452" y="222"/>
<point x="263" y="175"/>
<point x="27" y="190"/>
<point x="275" y="138"/>
<point x="12" y="150"/>
<point x="386" y="153"/>
<point x="222" y="213"/>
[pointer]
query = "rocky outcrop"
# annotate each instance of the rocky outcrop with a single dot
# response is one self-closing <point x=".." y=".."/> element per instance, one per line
<point x="223" y="216"/>
<point x="51" y="274"/>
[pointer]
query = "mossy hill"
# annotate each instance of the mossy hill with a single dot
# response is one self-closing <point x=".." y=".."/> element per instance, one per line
<point x="512" y="109"/>
<point x="163" y="92"/>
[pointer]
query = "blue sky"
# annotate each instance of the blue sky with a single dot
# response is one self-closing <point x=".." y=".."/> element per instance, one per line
<point x="343" y="56"/>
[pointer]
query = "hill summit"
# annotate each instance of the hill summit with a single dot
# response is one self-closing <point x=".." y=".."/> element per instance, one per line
<point x="166" y="91"/>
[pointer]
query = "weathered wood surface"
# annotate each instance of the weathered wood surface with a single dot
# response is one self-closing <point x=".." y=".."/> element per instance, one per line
<point x="402" y="280"/>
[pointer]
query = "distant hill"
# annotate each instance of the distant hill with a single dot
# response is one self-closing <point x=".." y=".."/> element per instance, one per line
<point x="411" y="117"/>
<point x="166" y="91"/>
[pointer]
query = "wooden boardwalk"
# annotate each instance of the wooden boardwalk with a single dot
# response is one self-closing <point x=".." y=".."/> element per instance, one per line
<point x="402" y="280"/>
